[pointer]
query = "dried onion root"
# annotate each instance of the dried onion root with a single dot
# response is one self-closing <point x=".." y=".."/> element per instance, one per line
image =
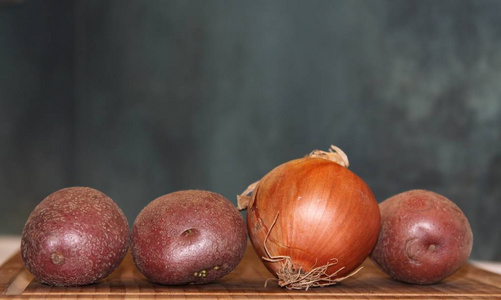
<point x="294" y="278"/>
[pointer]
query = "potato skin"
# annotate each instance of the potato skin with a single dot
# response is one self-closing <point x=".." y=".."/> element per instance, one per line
<point x="189" y="236"/>
<point x="75" y="236"/>
<point x="424" y="237"/>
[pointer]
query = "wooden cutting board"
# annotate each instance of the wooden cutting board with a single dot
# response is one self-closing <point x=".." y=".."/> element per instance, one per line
<point x="247" y="281"/>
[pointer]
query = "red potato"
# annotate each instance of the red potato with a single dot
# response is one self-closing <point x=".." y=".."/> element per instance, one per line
<point x="424" y="237"/>
<point x="188" y="236"/>
<point x="75" y="236"/>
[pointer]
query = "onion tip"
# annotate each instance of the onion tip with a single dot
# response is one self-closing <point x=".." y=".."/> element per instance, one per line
<point x="335" y="154"/>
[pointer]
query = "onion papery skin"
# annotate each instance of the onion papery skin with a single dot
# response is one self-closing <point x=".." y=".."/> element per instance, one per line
<point x="314" y="211"/>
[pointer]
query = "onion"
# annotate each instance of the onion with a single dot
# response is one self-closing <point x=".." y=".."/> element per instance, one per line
<point x="311" y="220"/>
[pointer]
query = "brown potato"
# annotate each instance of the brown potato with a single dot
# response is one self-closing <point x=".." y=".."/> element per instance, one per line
<point x="424" y="237"/>
<point x="75" y="236"/>
<point x="188" y="236"/>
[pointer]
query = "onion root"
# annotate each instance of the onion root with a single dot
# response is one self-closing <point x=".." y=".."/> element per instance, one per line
<point x="293" y="277"/>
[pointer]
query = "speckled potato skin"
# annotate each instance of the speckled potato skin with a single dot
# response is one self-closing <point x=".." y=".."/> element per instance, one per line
<point x="189" y="236"/>
<point x="75" y="236"/>
<point x="424" y="237"/>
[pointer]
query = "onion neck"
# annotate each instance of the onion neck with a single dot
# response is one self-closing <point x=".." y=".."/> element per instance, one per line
<point x="335" y="154"/>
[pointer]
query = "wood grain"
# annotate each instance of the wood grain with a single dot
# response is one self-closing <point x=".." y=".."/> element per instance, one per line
<point x="247" y="282"/>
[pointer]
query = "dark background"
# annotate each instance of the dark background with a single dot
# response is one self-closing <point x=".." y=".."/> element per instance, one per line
<point x="142" y="98"/>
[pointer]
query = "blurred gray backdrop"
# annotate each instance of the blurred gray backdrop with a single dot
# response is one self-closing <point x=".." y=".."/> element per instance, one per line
<point x="142" y="98"/>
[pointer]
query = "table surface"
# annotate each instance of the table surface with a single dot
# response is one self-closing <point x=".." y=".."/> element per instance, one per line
<point x="247" y="280"/>
<point x="9" y="245"/>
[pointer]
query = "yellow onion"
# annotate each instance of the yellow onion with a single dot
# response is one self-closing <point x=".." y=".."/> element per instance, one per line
<point x="311" y="220"/>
